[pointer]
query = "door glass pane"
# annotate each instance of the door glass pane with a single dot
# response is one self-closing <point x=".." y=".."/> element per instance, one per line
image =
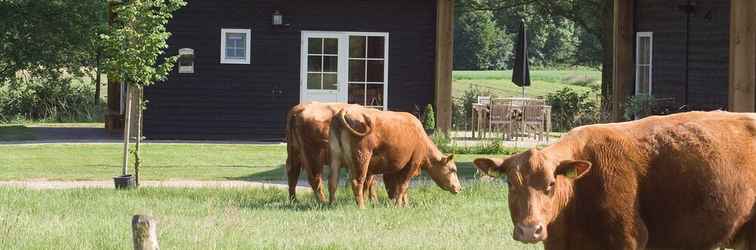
<point x="329" y="81"/>
<point x="356" y="70"/>
<point x="375" y="71"/>
<point x="314" y="81"/>
<point x="644" y="79"/>
<point x="374" y="93"/>
<point x="331" y="45"/>
<point x="644" y="49"/>
<point x="330" y="63"/>
<point x="375" y="47"/>
<point x="356" y="94"/>
<point x="314" y="64"/>
<point x="357" y="46"/>
<point x="315" y="45"/>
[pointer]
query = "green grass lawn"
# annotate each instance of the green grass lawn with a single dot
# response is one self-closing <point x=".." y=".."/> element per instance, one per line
<point x="543" y="81"/>
<point x="161" y="162"/>
<point x="477" y="218"/>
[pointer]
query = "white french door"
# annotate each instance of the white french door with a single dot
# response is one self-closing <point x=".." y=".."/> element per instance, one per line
<point x="348" y="67"/>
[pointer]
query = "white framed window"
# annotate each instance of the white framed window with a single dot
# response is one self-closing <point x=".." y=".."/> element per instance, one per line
<point x="368" y="69"/>
<point x="644" y="52"/>
<point x="235" y="46"/>
<point x="344" y="66"/>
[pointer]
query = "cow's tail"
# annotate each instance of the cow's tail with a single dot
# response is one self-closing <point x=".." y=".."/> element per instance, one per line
<point x="368" y="124"/>
<point x="291" y="133"/>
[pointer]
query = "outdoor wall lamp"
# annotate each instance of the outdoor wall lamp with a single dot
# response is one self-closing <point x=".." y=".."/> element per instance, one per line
<point x="278" y="19"/>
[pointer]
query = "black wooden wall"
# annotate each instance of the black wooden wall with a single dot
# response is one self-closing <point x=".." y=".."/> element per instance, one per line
<point x="241" y="102"/>
<point x="690" y="58"/>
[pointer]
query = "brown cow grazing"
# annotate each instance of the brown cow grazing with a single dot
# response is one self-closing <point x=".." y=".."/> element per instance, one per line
<point x="369" y="141"/>
<point x="307" y="129"/>
<point x="684" y="181"/>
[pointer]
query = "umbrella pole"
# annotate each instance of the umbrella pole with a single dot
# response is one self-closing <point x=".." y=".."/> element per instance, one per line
<point x="523" y="111"/>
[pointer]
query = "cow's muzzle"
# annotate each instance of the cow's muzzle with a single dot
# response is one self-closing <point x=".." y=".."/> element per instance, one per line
<point x="533" y="233"/>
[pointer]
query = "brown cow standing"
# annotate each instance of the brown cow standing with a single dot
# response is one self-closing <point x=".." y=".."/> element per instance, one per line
<point x="307" y="130"/>
<point x="684" y="181"/>
<point x="394" y="144"/>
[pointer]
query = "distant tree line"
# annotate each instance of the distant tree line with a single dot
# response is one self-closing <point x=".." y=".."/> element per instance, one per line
<point x="484" y="36"/>
<point x="562" y="33"/>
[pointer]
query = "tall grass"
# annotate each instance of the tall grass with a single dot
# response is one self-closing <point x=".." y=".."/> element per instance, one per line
<point x="49" y="100"/>
<point x="477" y="218"/>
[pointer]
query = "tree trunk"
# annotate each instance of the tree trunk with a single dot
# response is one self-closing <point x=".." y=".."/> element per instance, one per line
<point x="97" y="80"/>
<point x="607" y="58"/>
<point x="137" y="153"/>
<point x="126" y="128"/>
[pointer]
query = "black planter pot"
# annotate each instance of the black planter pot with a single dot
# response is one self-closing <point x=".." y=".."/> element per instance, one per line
<point x="124" y="181"/>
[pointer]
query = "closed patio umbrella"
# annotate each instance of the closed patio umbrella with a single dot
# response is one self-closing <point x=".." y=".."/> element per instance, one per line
<point x="521" y="70"/>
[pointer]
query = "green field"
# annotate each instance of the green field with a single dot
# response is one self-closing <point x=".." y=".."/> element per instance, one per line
<point x="477" y="218"/>
<point x="543" y="81"/>
<point x="102" y="161"/>
<point x="161" y="161"/>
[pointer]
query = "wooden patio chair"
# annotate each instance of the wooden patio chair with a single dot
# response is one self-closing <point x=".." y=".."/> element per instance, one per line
<point x="501" y="117"/>
<point x="534" y="118"/>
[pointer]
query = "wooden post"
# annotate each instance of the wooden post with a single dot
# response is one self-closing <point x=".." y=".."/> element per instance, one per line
<point x="144" y="230"/>
<point x="623" y="66"/>
<point x="742" y="88"/>
<point x="444" y="66"/>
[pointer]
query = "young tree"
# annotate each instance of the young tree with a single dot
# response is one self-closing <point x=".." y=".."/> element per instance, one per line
<point x="134" y="51"/>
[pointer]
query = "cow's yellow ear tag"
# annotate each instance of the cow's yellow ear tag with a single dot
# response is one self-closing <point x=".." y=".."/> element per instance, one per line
<point x="494" y="173"/>
<point x="571" y="172"/>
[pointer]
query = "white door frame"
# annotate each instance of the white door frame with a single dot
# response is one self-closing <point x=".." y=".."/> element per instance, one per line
<point x="650" y="36"/>
<point x="343" y="64"/>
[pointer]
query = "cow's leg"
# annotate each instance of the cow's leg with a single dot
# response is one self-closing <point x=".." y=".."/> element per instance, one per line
<point x="316" y="179"/>
<point x="359" y="176"/>
<point x="293" y="168"/>
<point x="369" y="188"/>
<point x="625" y="225"/>
<point x="749" y="241"/>
<point x="333" y="178"/>
<point x="404" y="198"/>
<point x="389" y="180"/>
<point x="316" y="176"/>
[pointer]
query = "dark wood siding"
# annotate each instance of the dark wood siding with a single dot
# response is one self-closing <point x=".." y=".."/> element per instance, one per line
<point x="239" y="102"/>
<point x="699" y="64"/>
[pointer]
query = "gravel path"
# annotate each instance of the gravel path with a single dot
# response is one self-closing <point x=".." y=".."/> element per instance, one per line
<point x="45" y="184"/>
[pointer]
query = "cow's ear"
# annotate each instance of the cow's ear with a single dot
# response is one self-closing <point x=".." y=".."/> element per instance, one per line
<point x="490" y="167"/>
<point x="573" y="169"/>
<point x="446" y="159"/>
<point x="450" y="158"/>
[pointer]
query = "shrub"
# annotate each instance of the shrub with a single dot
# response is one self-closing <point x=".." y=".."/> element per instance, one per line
<point x="570" y="108"/>
<point x="462" y="107"/>
<point x="639" y="106"/>
<point x="45" y="99"/>
<point x="487" y="147"/>
<point x="429" y="118"/>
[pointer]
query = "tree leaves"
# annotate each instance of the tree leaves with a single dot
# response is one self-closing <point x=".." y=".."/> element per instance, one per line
<point x="135" y="46"/>
<point x="49" y="38"/>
